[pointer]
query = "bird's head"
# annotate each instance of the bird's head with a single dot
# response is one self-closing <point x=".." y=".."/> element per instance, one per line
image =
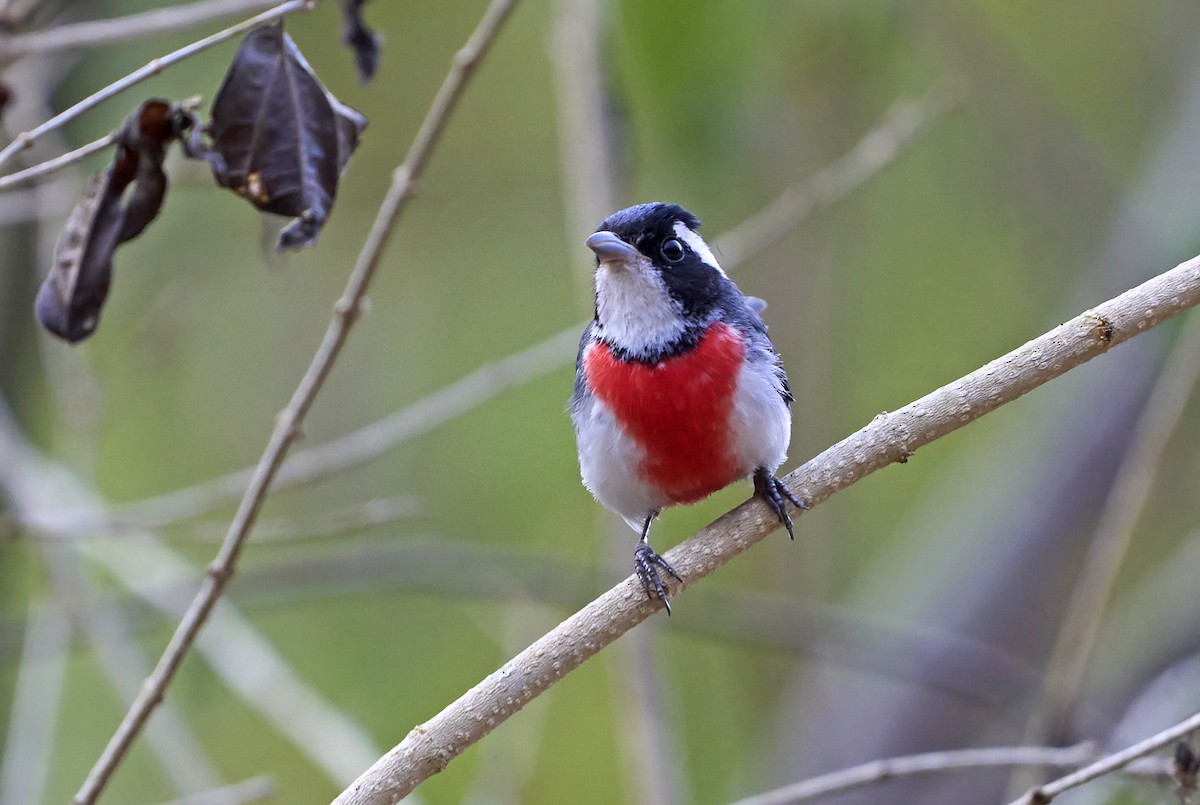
<point x="657" y="281"/>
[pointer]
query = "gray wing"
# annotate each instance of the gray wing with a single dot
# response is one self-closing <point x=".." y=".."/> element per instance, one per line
<point x="580" y="396"/>
<point x="744" y="311"/>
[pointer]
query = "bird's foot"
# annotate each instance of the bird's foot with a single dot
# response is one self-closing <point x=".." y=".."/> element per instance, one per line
<point x="775" y="492"/>
<point x="646" y="564"/>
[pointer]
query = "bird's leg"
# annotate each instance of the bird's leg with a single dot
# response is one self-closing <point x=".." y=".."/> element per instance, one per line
<point x="646" y="564"/>
<point x="774" y="492"/>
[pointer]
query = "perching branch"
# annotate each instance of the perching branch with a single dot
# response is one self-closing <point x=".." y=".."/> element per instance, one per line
<point x="27" y="138"/>
<point x="880" y="771"/>
<point x="889" y="438"/>
<point x="1042" y="795"/>
<point x="405" y="181"/>
<point x="310" y="464"/>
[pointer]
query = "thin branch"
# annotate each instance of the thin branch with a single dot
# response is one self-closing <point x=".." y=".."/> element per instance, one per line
<point x="58" y="163"/>
<point x="27" y="138"/>
<point x="889" y="438"/>
<point x="251" y="790"/>
<point x="404" y="184"/>
<point x="1122" y="509"/>
<point x="880" y="771"/>
<point x="94" y="33"/>
<point x="469" y="392"/>
<point x="1044" y="794"/>
<point x="877" y="149"/>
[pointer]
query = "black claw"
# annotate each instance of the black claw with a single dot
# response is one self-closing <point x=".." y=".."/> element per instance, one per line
<point x="774" y="492"/>
<point x="646" y="564"/>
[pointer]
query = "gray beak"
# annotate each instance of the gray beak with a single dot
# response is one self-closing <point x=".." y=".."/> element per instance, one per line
<point x="611" y="249"/>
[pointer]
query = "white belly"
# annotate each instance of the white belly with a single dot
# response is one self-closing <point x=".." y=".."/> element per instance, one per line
<point x="609" y="460"/>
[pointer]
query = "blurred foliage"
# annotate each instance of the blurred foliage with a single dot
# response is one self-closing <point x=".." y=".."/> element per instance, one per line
<point x="1002" y="220"/>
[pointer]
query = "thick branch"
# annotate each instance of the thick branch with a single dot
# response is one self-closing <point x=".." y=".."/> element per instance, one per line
<point x="889" y="438"/>
<point x="287" y="427"/>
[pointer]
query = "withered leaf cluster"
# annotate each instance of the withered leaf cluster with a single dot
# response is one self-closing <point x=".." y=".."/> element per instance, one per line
<point x="276" y="137"/>
<point x="69" y="301"/>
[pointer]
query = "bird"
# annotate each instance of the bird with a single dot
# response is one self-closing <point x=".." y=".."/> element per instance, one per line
<point x="679" y="391"/>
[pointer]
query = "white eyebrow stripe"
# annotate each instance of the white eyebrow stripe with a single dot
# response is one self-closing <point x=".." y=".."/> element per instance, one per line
<point x="697" y="245"/>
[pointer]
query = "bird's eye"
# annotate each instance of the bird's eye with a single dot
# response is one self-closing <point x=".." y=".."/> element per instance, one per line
<point x="672" y="249"/>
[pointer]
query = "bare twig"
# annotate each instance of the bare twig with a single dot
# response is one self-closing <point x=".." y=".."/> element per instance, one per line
<point x="252" y="790"/>
<point x="121" y="29"/>
<point x="404" y="184"/>
<point x="880" y="771"/>
<point x="58" y="163"/>
<point x="464" y="395"/>
<point x="27" y="138"/>
<point x="889" y="438"/>
<point x="1042" y="795"/>
<point x="877" y="149"/>
<point x="1122" y="509"/>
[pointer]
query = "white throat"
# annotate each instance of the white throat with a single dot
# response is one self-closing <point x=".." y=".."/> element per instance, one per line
<point x="635" y="311"/>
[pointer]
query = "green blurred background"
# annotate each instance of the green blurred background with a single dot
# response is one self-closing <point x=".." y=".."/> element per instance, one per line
<point x="915" y="611"/>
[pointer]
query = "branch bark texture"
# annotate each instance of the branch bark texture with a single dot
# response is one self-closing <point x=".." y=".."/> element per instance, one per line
<point x="889" y="438"/>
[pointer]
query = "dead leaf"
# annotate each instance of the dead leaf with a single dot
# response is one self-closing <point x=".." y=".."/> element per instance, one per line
<point x="73" y="293"/>
<point x="279" y="138"/>
<point x="361" y="39"/>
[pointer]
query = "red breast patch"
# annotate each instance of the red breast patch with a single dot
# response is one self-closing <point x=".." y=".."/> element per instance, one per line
<point x="677" y="410"/>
